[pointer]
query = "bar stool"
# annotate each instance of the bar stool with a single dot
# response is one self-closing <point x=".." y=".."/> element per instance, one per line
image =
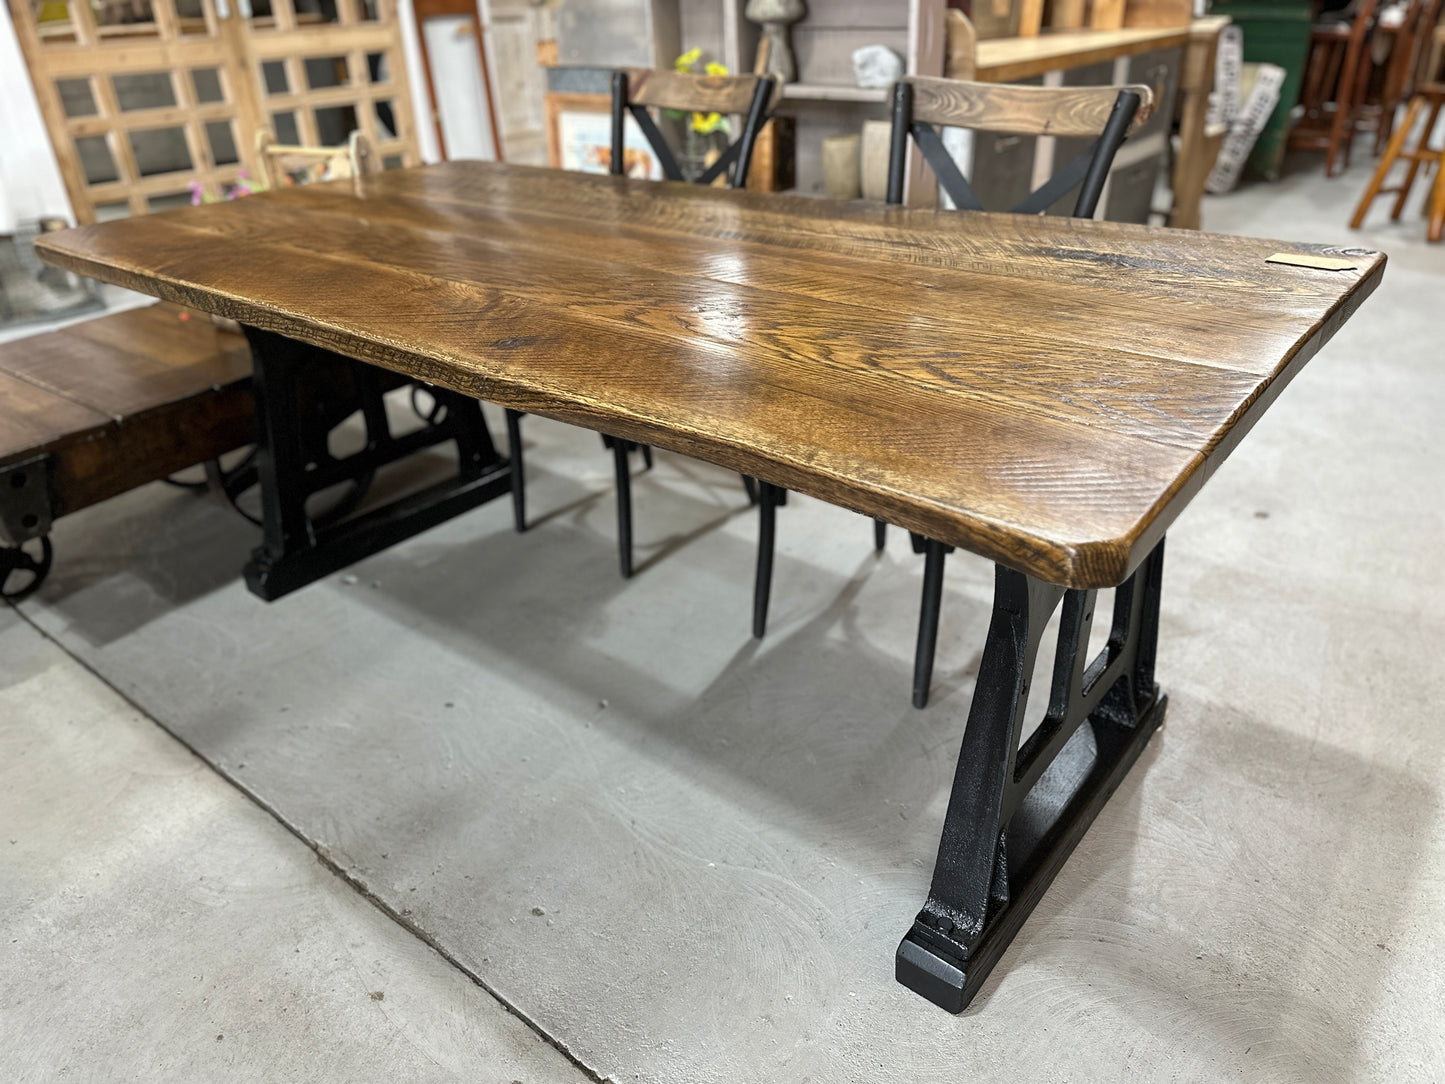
<point x="1428" y="94"/>
<point x="1331" y="92"/>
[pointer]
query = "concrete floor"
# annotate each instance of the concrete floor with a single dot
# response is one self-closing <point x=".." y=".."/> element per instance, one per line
<point x="684" y="856"/>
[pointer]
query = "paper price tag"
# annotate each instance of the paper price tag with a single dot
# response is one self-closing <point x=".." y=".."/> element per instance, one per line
<point x="1318" y="263"/>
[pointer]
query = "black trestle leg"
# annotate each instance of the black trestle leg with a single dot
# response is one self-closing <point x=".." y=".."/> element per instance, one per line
<point x="519" y="476"/>
<point x="769" y="498"/>
<point x="934" y="555"/>
<point x="1016" y="812"/>
<point x="624" y="506"/>
<point x="302" y="392"/>
<point x="280" y="459"/>
<point x="880" y="535"/>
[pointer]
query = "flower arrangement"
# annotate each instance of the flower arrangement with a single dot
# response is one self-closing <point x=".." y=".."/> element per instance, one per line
<point x="701" y="123"/>
<point x="244" y="186"/>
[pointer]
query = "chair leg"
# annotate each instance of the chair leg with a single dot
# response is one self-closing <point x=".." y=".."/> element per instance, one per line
<point x="1343" y="127"/>
<point x="1421" y="148"/>
<point x="1392" y="152"/>
<point x="934" y="555"/>
<point x="624" y="506"/>
<point x="1437" y="202"/>
<point x="1357" y="106"/>
<point x="880" y="535"/>
<point x="769" y="498"/>
<point x="519" y="477"/>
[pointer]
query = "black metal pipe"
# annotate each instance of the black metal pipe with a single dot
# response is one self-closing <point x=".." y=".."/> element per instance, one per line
<point x="1115" y="130"/>
<point x="898" y="141"/>
<point x="757" y="112"/>
<point x="519" y="476"/>
<point x="624" y="506"/>
<point x="769" y="497"/>
<point x="934" y="555"/>
<point x="619" y="115"/>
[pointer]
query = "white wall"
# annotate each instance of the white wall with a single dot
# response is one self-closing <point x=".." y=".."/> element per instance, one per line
<point x="30" y="184"/>
<point x="426" y="131"/>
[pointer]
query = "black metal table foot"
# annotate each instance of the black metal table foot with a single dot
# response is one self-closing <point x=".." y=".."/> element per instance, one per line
<point x="302" y="393"/>
<point x="1016" y="812"/>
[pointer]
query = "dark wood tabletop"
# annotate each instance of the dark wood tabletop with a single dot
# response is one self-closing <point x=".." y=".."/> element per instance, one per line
<point x="1047" y="392"/>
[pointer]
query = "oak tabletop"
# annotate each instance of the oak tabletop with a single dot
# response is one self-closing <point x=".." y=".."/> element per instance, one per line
<point x="1047" y="392"/>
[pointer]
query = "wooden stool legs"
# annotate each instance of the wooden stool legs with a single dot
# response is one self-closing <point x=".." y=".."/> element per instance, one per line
<point x="1436" y="229"/>
<point x="1419" y="154"/>
<point x="1416" y="104"/>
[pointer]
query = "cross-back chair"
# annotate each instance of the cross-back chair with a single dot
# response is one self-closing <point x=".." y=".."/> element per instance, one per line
<point x="1110" y="114"/>
<point x="636" y="91"/>
<point x="281" y="160"/>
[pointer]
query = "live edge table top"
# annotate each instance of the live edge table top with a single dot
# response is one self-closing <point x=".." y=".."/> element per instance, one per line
<point x="1047" y="392"/>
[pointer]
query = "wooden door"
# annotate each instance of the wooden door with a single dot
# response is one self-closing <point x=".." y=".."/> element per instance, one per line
<point x="144" y="98"/>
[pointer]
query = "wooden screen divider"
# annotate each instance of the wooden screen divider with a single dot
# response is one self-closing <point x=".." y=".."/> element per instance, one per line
<point x="212" y="64"/>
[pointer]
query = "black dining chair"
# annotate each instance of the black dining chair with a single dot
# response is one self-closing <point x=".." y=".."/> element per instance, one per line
<point x="1108" y="114"/>
<point x="636" y="91"/>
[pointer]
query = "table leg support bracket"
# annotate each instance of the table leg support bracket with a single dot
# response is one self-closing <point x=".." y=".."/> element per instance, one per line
<point x="1016" y="812"/>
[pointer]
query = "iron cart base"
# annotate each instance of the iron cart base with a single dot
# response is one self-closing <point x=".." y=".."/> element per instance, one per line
<point x="1016" y="813"/>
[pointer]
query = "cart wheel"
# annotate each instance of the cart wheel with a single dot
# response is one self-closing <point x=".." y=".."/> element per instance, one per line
<point x="23" y="571"/>
<point x="180" y="483"/>
<point x="233" y="482"/>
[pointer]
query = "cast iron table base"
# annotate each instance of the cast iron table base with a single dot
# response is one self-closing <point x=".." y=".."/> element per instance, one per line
<point x="1016" y="813"/>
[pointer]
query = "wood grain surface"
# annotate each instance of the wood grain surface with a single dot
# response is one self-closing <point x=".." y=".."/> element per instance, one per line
<point x="702" y="93"/>
<point x="1004" y="60"/>
<point x="124" y="399"/>
<point x="35" y="420"/>
<point x="1046" y="392"/>
<point x="1022" y="110"/>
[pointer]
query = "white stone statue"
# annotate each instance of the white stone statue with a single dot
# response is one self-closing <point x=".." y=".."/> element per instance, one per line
<point x="876" y="66"/>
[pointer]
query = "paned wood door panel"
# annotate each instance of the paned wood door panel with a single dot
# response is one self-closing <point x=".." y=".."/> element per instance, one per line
<point x="145" y="97"/>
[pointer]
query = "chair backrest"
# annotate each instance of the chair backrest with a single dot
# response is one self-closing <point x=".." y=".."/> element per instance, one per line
<point x="1109" y="113"/>
<point x="281" y="160"/>
<point x="635" y="90"/>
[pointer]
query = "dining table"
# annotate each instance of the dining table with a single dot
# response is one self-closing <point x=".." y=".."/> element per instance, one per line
<point x="1047" y="393"/>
